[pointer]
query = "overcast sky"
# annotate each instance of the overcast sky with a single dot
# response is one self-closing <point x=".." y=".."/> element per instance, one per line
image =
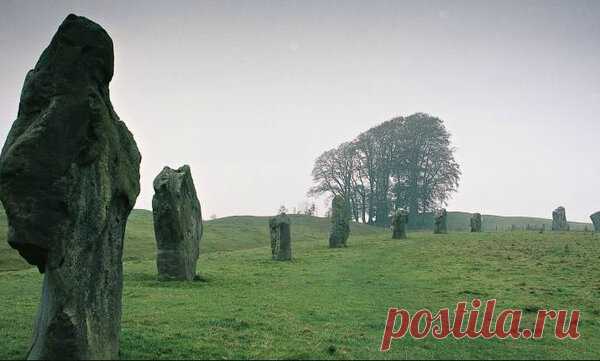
<point x="250" y="93"/>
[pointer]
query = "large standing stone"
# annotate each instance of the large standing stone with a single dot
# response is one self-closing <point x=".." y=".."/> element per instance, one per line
<point x="476" y="222"/>
<point x="340" y="222"/>
<point x="69" y="177"/>
<point x="440" y="224"/>
<point x="177" y="224"/>
<point x="399" y="222"/>
<point x="596" y="221"/>
<point x="559" y="220"/>
<point x="281" y="241"/>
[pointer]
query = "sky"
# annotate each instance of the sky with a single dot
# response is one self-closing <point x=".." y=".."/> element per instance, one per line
<point x="249" y="93"/>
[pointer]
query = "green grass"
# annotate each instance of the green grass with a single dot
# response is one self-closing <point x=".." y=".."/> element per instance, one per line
<point x="223" y="234"/>
<point x="329" y="303"/>
<point x="246" y="232"/>
<point x="460" y="221"/>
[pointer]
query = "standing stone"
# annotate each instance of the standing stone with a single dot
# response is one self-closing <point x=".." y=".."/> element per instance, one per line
<point x="440" y="221"/>
<point x="177" y="224"/>
<point x="476" y="222"/>
<point x="559" y="220"/>
<point x="596" y="221"/>
<point x="399" y="224"/>
<point x="69" y="177"/>
<point x="340" y="222"/>
<point x="281" y="241"/>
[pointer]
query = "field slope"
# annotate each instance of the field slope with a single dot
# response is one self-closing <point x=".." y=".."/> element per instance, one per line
<point x="332" y="304"/>
<point x="460" y="221"/>
<point x="245" y="232"/>
<point x="223" y="234"/>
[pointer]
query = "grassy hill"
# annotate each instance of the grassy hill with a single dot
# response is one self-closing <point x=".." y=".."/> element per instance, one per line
<point x="223" y="234"/>
<point x="460" y="221"/>
<point x="332" y="303"/>
<point x="245" y="232"/>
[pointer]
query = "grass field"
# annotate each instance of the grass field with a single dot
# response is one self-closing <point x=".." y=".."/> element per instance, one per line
<point x="332" y="303"/>
<point x="246" y="232"/>
<point x="460" y="221"/>
<point x="224" y="234"/>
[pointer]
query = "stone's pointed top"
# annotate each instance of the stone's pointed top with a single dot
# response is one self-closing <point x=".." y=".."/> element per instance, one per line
<point x="169" y="174"/>
<point x="181" y="170"/>
<point x="81" y="50"/>
<point x="559" y="211"/>
<point x="184" y="169"/>
<point x="280" y="218"/>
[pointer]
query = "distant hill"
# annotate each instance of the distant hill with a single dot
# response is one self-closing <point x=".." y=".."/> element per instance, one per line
<point x="460" y="221"/>
<point x="245" y="232"/>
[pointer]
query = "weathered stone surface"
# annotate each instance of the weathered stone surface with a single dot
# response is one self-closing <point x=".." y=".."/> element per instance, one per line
<point x="69" y="177"/>
<point x="476" y="222"/>
<point x="281" y="241"/>
<point x="340" y="223"/>
<point x="440" y="224"/>
<point x="177" y="224"/>
<point x="399" y="221"/>
<point x="559" y="220"/>
<point x="596" y="221"/>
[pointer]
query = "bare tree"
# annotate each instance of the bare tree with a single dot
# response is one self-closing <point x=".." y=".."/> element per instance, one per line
<point x="311" y="210"/>
<point x="333" y="172"/>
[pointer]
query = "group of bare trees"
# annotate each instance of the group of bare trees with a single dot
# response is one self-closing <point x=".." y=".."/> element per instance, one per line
<point x="407" y="162"/>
